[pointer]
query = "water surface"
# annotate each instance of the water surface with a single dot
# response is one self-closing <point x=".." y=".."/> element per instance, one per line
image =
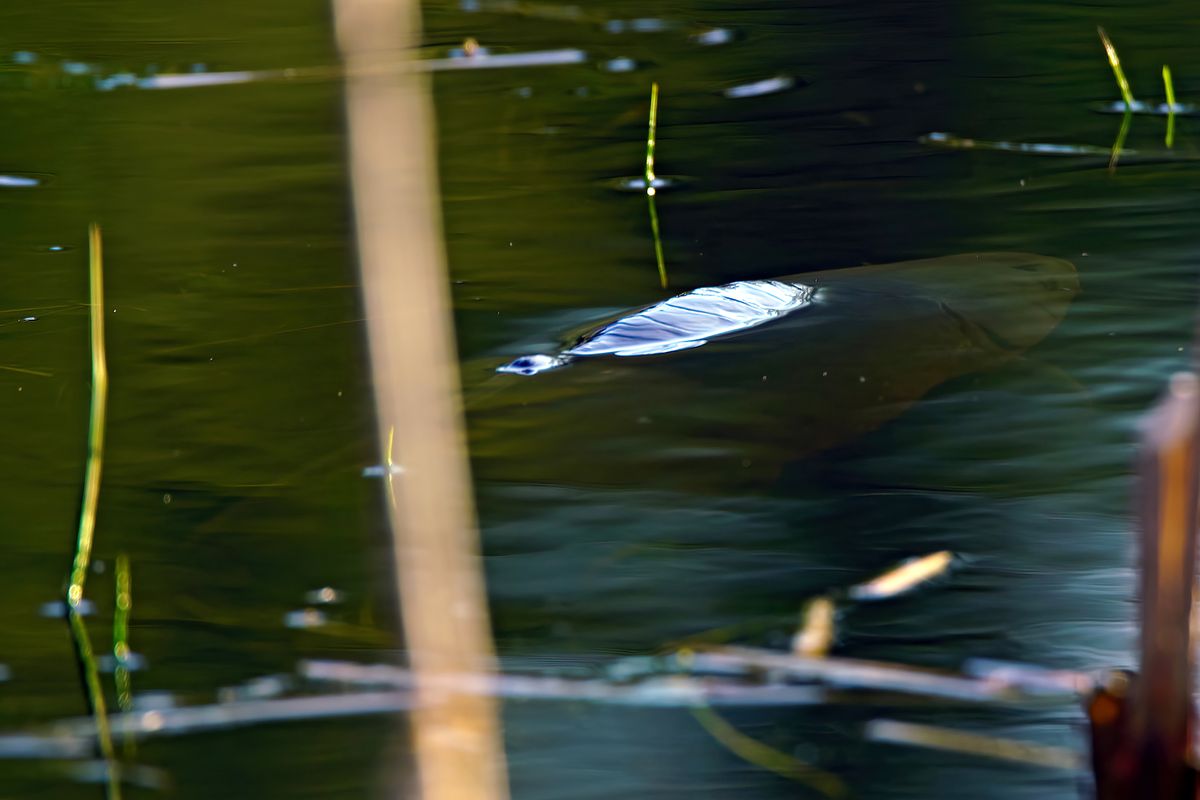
<point x="240" y="422"/>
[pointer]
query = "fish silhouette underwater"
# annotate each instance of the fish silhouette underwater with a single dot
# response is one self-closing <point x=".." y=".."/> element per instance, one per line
<point x="725" y="384"/>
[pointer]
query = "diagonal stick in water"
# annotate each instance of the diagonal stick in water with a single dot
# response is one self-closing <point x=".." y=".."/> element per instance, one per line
<point x="87" y="513"/>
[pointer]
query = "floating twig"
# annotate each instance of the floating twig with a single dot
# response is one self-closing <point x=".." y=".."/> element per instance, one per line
<point x="905" y="577"/>
<point x="958" y="741"/>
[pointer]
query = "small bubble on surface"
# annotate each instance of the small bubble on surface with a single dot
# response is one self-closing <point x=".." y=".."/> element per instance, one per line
<point x="324" y="596"/>
<point x="131" y="661"/>
<point x="620" y="64"/>
<point x="779" y="83"/>
<point x="713" y="36"/>
<point x="305" y="618"/>
<point x="153" y="701"/>
<point x="19" y="182"/>
<point x="57" y="609"/>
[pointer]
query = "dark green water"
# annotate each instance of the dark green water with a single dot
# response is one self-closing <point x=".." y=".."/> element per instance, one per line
<point x="240" y="424"/>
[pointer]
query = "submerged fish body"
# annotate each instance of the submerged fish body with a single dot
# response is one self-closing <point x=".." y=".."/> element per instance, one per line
<point x="727" y="383"/>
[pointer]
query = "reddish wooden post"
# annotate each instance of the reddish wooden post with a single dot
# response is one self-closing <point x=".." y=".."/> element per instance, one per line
<point x="1141" y="725"/>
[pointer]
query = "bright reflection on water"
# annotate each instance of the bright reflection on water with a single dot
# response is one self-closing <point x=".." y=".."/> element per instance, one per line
<point x="239" y="393"/>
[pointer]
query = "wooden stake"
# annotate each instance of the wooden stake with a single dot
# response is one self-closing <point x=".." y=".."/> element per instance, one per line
<point x="443" y="604"/>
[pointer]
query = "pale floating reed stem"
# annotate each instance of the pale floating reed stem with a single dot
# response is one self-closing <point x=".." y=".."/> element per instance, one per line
<point x="958" y="741"/>
<point x="904" y="577"/>
<point x="414" y="368"/>
<point x="651" y="189"/>
<point x="818" y="628"/>
<point x="1114" y="61"/>
<point x="87" y="514"/>
<point x="1169" y="87"/>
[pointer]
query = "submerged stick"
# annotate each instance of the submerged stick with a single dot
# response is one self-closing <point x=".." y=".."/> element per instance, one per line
<point x="1169" y="88"/>
<point x="1114" y="61"/>
<point x="651" y="189"/>
<point x="767" y="757"/>
<point x="87" y="514"/>
<point x="414" y="367"/>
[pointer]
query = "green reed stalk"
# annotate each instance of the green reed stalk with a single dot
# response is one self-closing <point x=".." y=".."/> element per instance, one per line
<point x="87" y="513"/>
<point x="1115" y="62"/>
<point x="1169" y="86"/>
<point x="651" y="191"/>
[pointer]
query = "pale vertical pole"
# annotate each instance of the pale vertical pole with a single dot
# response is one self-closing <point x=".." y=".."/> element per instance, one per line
<point x="443" y="604"/>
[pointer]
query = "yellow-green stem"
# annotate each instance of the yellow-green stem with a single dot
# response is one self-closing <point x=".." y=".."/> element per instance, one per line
<point x="95" y="453"/>
<point x="1115" y="62"/>
<point x="1169" y="86"/>
<point x="87" y="514"/>
<point x="651" y="190"/>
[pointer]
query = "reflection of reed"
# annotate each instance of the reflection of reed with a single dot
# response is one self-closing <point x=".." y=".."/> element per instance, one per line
<point x="437" y="567"/>
<point x="121" y="651"/>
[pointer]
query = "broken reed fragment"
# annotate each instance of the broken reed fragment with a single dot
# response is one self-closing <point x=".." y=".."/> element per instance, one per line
<point x="817" y="629"/>
<point x="904" y="577"/>
<point x="959" y="741"/>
